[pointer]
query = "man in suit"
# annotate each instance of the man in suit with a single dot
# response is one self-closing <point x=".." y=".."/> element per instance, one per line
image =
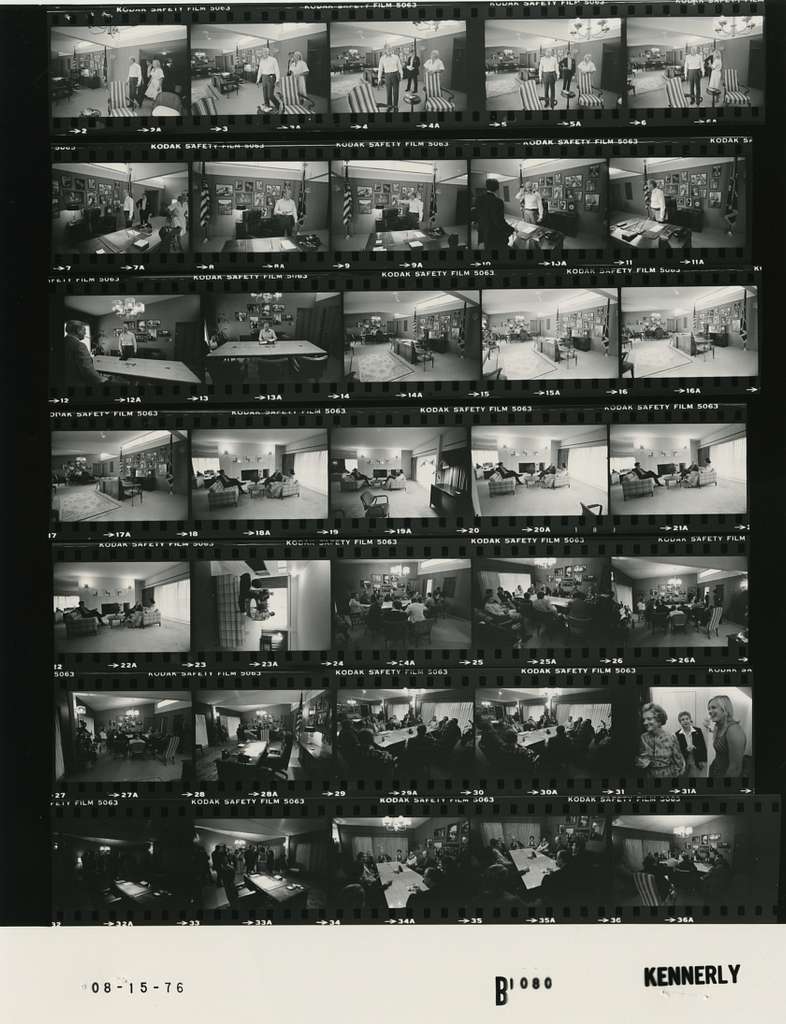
<point x="489" y="215"/>
<point x="78" y="368"/>
<point x="567" y="67"/>
<point x="411" y="72"/>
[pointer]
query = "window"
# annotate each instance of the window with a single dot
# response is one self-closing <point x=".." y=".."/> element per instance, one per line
<point x="205" y="465"/>
<point x="311" y="470"/>
<point x="173" y="600"/>
<point x="481" y="456"/>
<point x="621" y="465"/>
<point x="588" y="465"/>
<point x="728" y="459"/>
<point x="64" y="601"/>
<point x="350" y="464"/>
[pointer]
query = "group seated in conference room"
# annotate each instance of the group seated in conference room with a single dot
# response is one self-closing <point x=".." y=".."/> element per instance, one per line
<point x="410" y="337"/>
<point x="121" y="606"/>
<point x="682" y="602"/>
<point x="519" y="603"/>
<point x="417" y="67"/>
<point x="269" y="607"/>
<point x="541" y="64"/>
<point x="393" y="206"/>
<point x="281" y="865"/>
<point x="128" y="71"/>
<point x="262" y="208"/>
<point x="263" y="69"/>
<point x="410" y="605"/>
<point x="550" y="335"/>
<point x="689" y="332"/>
<point x="423" y="476"/>
<point x="421" y="865"/>
<point x="248" y="736"/>
<point x="526" y="473"/>
<point x="687" y="203"/>
<point x="118" y="476"/>
<point x="133" y="865"/>
<point x="117" y="339"/>
<point x="543" y="207"/>
<point x="540" y="862"/>
<point x="264" y="339"/>
<point x="698" y="469"/>
<point x="564" y="734"/>
<point x="675" y="63"/>
<point x="390" y="734"/>
<point x="109" y="209"/>
<point x="695" y="733"/>
<point x="144" y="736"/>
<point x="237" y="474"/>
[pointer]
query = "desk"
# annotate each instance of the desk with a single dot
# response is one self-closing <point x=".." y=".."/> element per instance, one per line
<point x="315" y="746"/>
<point x="532" y="866"/>
<point x="277" y="889"/>
<point x="403" y="880"/>
<point x="138" y="892"/>
<point x="448" y="501"/>
<point x="251" y="752"/>
<point x="405" y="347"/>
<point x="122" y="241"/>
<point x="158" y="370"/>
<point x="547" y="239"/>
<point x="275" y="244"/>
<point x="641" y="233"/>
<point x="399" y="241"/>
<point x="253" y="350"/>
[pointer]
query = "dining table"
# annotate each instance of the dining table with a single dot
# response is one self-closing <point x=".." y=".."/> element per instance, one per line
<point x="163" y="371"/>
<point x="403" y="881"/>
<point x="532" y="866"/>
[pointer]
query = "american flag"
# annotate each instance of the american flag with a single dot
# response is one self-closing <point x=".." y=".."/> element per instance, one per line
<point x="432" y="206"/>
<point x="645" y="188"/>
<point x="346" y="213"/>
<point x="301" y="199"/>
<point x="298" y="723"/>
<point x="204" y="204"/>
<point x="106" y="70"/>
<point x="732" y="197"/>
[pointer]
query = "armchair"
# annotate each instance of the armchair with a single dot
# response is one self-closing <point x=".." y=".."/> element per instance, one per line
<point x="293" y="101"/>
<point x="633" y="487"/>
<point x="118" y="103"/>
<point x="734" y="94"/>
<point x="553" y="480"/>
<point x="589" y="96"/>
<point x="675" y="97"/>
<point x="528" y="91"/>
<point x="219" y="496"/>
<point x="506" y="486"/>
<point x="76" y="626"/>
<point x="375" y="506"/>
<point x="284" y="488"/>
<point x="151" y="617"/>
<point x="362" y="100"/>
<point x="436" y="98"/>
<point x="398" y="483"/>
<point x="349" y="483"/>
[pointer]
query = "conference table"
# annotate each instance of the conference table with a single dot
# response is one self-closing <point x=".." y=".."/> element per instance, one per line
<point x="286" y="349"/>
<point x="532" y="866"/>
<point x="277" y="888"/>
<point x="161" y="371"/>
<point x="123" y="241"/>
<point x="402" y="880"/>
<point x="702" y="869"/>
<point x="535" y="736"/>
<point x="137" y="892"/>
<point x="388" y="605"/>
<point x="393" y="736"/>
<point x="644" y="233"/>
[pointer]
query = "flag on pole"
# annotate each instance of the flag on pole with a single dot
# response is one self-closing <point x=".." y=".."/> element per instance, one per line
<point x="346" y="213"/>
<point x="732" y="197"/>
<point x="298" y="724"/>
<point x="106" y="70"/>
<point x="204" y="204"/>
<point x="645" y="188"/>
<point x="432" y="206"/>
<point x="301" y="199"/>
<point x="694" y="324"/>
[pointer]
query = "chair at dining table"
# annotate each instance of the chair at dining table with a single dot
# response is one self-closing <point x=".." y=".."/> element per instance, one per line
<point x="309" y="367"/>
<point x="678" y="622"/>
<point x="269" y="370"/>
<point x="580" y="628"/>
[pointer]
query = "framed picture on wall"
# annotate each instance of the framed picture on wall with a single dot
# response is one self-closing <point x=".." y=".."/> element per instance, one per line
<point x="55" y="187"/>
<point x="716" y="200"/>
<point x="591" y="201"/>
<point x="248" y="186"/>
<point x="697" y="204"/>
<point x="80" y="183"/>
<point x="238" y="185"/>
<point x="259" y="202"/>
<point x="66" y="181"/>
<point x="224" y="191"/>
<point x="224" y="207"/>
<point x="259" y="185"/>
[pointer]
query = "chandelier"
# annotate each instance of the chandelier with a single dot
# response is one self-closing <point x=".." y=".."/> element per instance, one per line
<point x="545" y="563"/>
<point x="731" y="27"/>
<point x="107" y="28"/>
<point x="126" y="308"/>
<point x="396" y="824"/>
<point x="132" y="713"/>
<point x="683" y="830"/>
<point x="675" y="581"/>
<point x="580" y="30"/>
<point x="426" y="26"/>
<point x="266" y="296"/>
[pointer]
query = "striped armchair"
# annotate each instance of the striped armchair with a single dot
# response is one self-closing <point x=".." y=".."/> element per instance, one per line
<point x="714" y="622"/>
<point x="118" y="103"/>
<point x="220" y="497"/>
<point x="647" y="888"/>
<point x="675" y="97"/>
<point x="294" y="102"/>
<point x="632" y="487"/>
<point x="204" y="107"/>
<point x="362" y="100"/>
<point x="528" y="91"/>
<point x="734" y="94"/>
<point x="437" y="98"/>
<point x="589" y="96"/>
<point x="506" y="486"/>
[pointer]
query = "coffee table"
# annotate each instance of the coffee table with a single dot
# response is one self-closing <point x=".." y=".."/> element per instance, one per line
<point x="671" y="481"/>
<point x="114" y="620"/>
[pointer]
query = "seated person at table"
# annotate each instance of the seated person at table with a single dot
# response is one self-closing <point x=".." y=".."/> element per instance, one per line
<point x="542" y="605"/>
<point x="355" y="474"/>
<point x="78" y="368"/>
<point x="450" y="735"/>
<point x="503" y="473"/>
<point x="89" y="613"/>
<point x="416" y="610"/>
<point x="267" y="335"/>
<point x="644" y="474"/>
<point x="717" y="880"/>
<point x="355" y="606"/>
<point x="559" y="749"/>
<point x="493" y="607"/>
<point x="434" y="895"/>
<point x="372" y="754"/>
<point x="578" y="607"/>
<point x="496" y="884"/>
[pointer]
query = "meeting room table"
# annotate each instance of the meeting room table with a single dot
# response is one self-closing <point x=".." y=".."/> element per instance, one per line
<point x="161" y="371"/>
<point x="402" y="241"/>
<point x="391" y="737"/>
<point x="277" y="888"/>
<point x="532" y="737"/>
<point x="285" y="349"/>
<point x="532" y="866"/>
<point x="403" y="882"/>
<point x="537" y="236"/>
<point x="138" y="892"/>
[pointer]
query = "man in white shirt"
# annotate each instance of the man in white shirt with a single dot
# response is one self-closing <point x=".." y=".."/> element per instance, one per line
<point x="285" y="207"/>
<point x="268" y="74"/>
<point x="390" y="72"/>
<point x="128" y="209"/>
<point x="127" y="342"/>
<point x="531" y="204"/>
<point x="694" y="65"/>
<point x="547" y="76"/>
<point x="657" y="202"/>
<point x="416" y="207"/>
<point x="356" y="607"/>
<point x="134" y="81"/>
<point x="267" y="336"/>
<point x="416" y="611"/>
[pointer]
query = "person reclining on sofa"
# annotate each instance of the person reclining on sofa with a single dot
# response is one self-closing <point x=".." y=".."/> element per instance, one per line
<point x="355" y="474"/>
<point x="644" y="474"/>
<point x="503" y="473"/>
<point x="89" y="613"/>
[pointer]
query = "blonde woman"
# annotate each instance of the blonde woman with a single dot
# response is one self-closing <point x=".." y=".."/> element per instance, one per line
<point x="716" y="72"/>
<point x="660" y="752"/>
<point x="155" y="80"/>
<point x="299" y="69"/>
<point x="728" y="739"/>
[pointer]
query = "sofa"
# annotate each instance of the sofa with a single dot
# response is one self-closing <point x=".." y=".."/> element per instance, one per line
<point x="283" y="488"/>
<point x="702" y="478"/>
<point x="633" y="487"/>
<point x="349" y="483"/>
<point x="553" y="480"/>
<point x="219" y="496"/>
<point x="77" y="626"/>
<point x="398" y="483"/>
<point x="506" y="486"/>
<point x="151" y="617"/>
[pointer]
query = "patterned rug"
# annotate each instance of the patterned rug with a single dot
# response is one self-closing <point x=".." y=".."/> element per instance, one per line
<point x="374" y="365"/>
<point x="503" y="85"/>
<point x="85" y="504"/>
<point x="653" y="357"/>
<point x="342" y="85"/>
<point x="520" y="361"/>
<point x="651" y="81"/>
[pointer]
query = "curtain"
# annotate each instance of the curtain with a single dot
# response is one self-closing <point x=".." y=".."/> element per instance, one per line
<point x="596" y="713"/>
<point x="311" y="470"/>
<point x="230" y="723"/>
<point x="728" y="459"/>
<point x="530" y="711"/>
<point x="487" y="581"/>
<point x="201" y="465"/>
<point x="174" y="600"/>
<point x="59" y="760"/>
<point x="634" y="856"/>
<point x="200" y="728"/>
<point x="309" y="856"/>
<point x="361" y="844"/>
<point x="520" y="830"/>
<point x="589" y="466"/>
<point x="61" y="602"/>
<point x="480" y="456"/>
<point x="231" y="622"/>
<point x="657" y="846"/>
<point x="390" y="845"/>
<point x="458" y="709"/>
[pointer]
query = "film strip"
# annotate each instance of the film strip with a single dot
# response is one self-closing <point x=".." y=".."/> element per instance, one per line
<point x="300" y="474"/>
<point x="540" y="602"/>
<point x="427" y="203"/>
<point x="463" y="735"/>
<point x="528" y="861"/>
<point x="345" y="68"/>
<point x="453" y="337"/>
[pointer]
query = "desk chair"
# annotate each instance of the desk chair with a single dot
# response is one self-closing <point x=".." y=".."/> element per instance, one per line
<point x="714" y="622"/>
<point x="205" y="107"/>
<point x="580" y="628"/>
<point x="309" y="367"/>
<point x="437" y="98"/>
<point x="118" y="103"/>
<point x="528" y="93"/>
<point x="375" y="506"/>
<point x="675" y="97"/>
<point x="362" y="100"/>
<point x="423" y="355"/>
<point x="678" y="623"/>
<point x="734" y="94"/>
<point x="293" y="102"/>
<point x="659" y="622"/>
<point x="703" y="346"/>
<point x="269" y="370"/>
<point x="589" y="513"/>
<point x="172" y="102"/>
<point x="589" y="96"/>
<point x="421" y="630"/>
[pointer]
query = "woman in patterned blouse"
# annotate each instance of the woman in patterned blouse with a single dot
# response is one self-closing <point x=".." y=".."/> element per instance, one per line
<point x="660" y="751"/>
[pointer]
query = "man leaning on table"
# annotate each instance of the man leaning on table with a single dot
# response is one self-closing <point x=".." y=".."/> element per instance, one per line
<point x="694" y="66"/>
<point x="78" y="369"/>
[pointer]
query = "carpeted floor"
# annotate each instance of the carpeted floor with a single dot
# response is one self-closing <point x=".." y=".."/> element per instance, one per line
<point x="654" y="357"/>
<point x="520" y="361"/>
<point x="85" y="503"/>
<point x="378" y="364"/>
